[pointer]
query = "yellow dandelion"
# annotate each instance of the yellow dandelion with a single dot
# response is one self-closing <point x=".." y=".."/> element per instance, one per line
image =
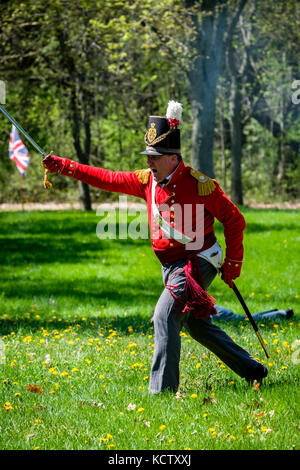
<point x="194" y="395"/>
<point x="64" y="374"/>
<point x="141" y="409"/>
<point x="162" y="427"/>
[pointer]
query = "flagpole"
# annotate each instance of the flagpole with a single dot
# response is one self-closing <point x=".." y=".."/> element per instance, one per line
<point x="21" y="191"/>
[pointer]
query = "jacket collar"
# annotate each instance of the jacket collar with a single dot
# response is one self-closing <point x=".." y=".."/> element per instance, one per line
<point x="162" y="194"/>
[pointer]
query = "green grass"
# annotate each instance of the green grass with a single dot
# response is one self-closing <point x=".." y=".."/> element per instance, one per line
<point x="74" y="318"/>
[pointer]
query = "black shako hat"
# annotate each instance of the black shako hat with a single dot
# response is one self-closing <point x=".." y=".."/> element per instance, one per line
<point x="163" y="134"/>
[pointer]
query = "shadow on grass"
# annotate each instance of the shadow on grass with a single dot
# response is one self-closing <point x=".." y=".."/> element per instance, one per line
<point x="64" y="249"/>
<point x="256" y="227"/>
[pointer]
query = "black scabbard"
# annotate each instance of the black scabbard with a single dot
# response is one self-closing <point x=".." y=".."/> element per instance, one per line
<point x="251" y="319"/>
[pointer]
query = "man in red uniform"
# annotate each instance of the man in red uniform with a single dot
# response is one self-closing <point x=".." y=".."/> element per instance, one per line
<point x="182" y="205"/>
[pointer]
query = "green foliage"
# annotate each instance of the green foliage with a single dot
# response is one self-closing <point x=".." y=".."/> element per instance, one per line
<point x="82" y="79"/>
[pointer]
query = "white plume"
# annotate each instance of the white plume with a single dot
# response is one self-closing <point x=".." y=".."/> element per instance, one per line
<point x="174" y="110"/>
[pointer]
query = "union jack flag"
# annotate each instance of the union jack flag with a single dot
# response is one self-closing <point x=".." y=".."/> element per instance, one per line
<point x="18" y="152"/>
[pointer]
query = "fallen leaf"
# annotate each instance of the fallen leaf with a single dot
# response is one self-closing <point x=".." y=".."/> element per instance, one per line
<point x="256" y="385"/>
<point x="260" y="415"/>
<point x="92" y="403"/>
<point x="179" y="396"/>
<point x="34" y="388"/>
<point x="208" y="400"/>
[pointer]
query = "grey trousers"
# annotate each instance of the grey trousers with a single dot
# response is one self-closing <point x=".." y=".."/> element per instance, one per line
<point x="168" y="322"/>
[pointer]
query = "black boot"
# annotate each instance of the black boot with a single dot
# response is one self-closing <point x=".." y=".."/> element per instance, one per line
<point x="289" y="313"/>
<point x="258" y="375"/>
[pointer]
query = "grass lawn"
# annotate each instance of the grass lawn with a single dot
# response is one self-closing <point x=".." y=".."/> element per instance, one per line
<point x="76" y="342"/>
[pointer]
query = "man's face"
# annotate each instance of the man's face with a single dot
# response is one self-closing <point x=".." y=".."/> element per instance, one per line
<point x="161" y="165"/>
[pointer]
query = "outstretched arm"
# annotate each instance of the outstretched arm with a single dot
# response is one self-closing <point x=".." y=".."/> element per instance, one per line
<point x="125" y="182"/>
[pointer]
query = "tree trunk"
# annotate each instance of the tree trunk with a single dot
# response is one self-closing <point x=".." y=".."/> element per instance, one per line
<point x="236" y="132"/>
<point x="236" y="67"/>
<point x="82" y="156"/>
<point x="203" y="79"/>
<point x="75" y="81"/>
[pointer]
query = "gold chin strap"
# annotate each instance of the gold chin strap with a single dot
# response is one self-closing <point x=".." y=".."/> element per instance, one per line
<point x="47" y="184"/>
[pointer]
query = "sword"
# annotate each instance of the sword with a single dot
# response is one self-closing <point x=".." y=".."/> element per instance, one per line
<point x="251" y="319"/>
<point x="47" y="183"/>
<point x="20" y="128"/>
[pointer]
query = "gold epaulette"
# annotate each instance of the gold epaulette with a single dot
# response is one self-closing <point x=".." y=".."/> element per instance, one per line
<point x="206" y="185"/>
<point x="143" y="175"/>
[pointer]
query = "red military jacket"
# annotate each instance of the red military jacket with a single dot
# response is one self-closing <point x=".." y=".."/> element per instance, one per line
<point x="186" y="188"/>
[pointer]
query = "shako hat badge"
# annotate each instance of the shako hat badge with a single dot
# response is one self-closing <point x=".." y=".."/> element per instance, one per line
<point x="163" y="134"/>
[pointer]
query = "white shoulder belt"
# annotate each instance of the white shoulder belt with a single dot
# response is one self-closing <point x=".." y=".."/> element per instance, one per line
<point x="213" y="255"/>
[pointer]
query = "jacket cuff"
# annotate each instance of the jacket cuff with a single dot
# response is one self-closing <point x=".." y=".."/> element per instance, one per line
<point x="232" y="266"/>
<point x="69" y="167"/>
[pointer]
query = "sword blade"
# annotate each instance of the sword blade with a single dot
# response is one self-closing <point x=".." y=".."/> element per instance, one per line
<point x="20" y="128"/>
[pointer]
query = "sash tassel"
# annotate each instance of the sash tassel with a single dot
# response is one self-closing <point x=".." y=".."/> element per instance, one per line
<point x="198" y="302"/>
